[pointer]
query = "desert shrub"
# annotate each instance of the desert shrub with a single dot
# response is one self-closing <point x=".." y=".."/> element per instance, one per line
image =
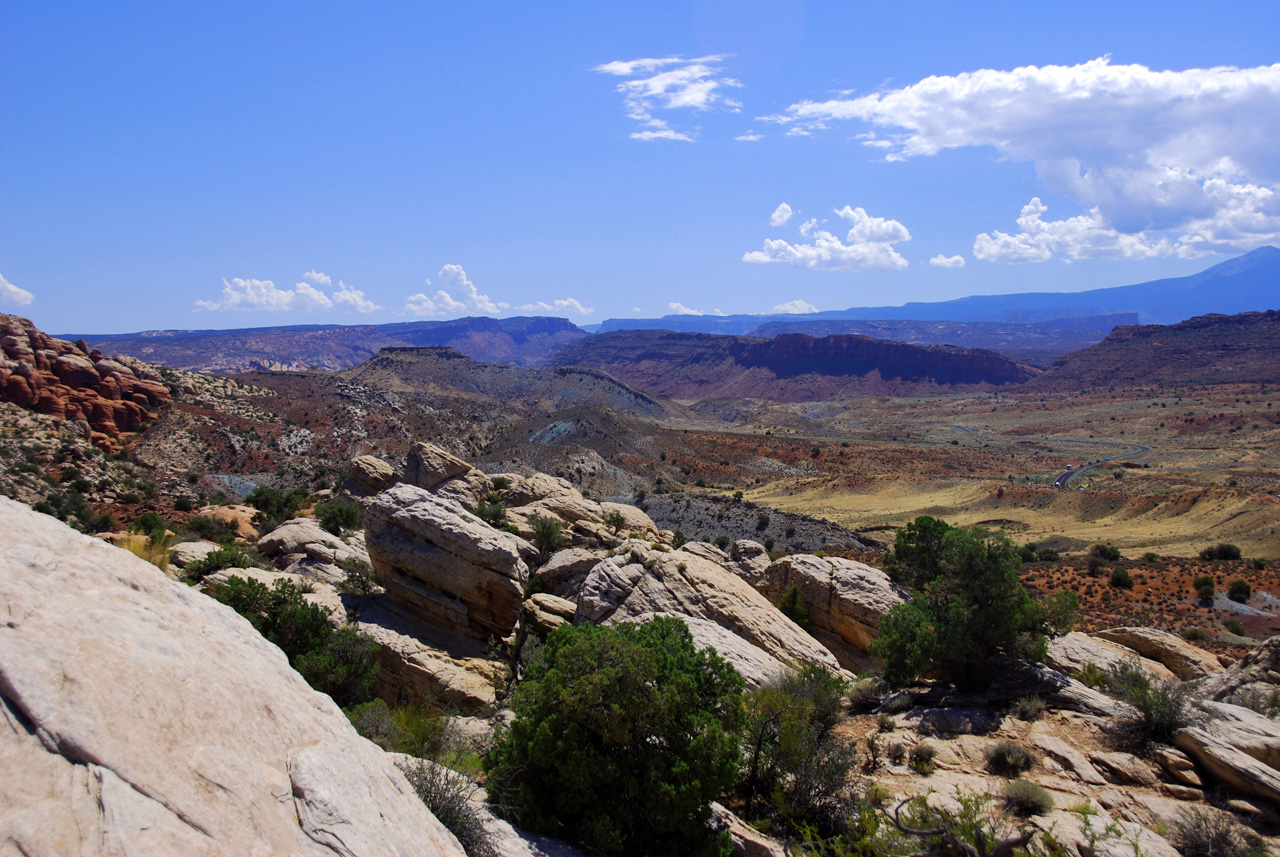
<point x="722" y="542"/>
<point x="896" y="753"/>
<point x="1239" y="590"/>
<point x="1027" y="553"/>
<point x="1008" y="759"/>
<point x="275" y="506"/>
<point x="795" y="768"/>
<point x="1029" y="708"/>
<point x="1260" y="564"/>
<point x="768" y="544"/>
<point x="1233" y="626"/>
<point x="615" y="521"/>
<point x="866" y="692"/>
<point x="1107" y="553"/>
<point x="493" y="513"/>
<point x="153" y="550"/>
<point x="149" y="524"/>
<point x="678" y="539"/>
<point x="1120" y="578"/>
<point x="1061" y="611"/>
<point x="337" y="516"/>
<point x="1027" y="798"/>
<point x="896" y="703"/>
<point x="341" y="663"/>
<point x="885" y="722"/>
<point x="1204" y="832"/>
<point x="1205" y="587"/>
<point x="621" y="739"/>
<point x="1195" y="635"/>
<point x="762" y="521"/>
<point x="447" y="794"/>
<point x="1047" y="555"/>
<point x="360" y="578"/>
<point x="183" y="504"/>
<point x="500" y="483"/>
<point x="922" y="758"/>
<point x="210" y="529"/>
<point x="548" y="535"/>
<point x="1091" y="675"/>
<point x="1150" y="556"/>
<point x="970" y="606"/>
<point x="793" y="607"/>
<point x="1221" y="551"/>
<point x="229" y="556"/>
<point x="1161" y="707"/>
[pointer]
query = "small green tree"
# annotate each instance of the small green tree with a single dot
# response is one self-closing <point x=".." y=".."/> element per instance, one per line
<point x="1205" y="587"/>
<point x="1120" y="578"/>
<point x="793" y="607"/>
<point x="622" y="737"/>
<point x="338" y="516"/>
<point x="1239" y="590"/>
<point x="1222" y="551"/>
<point x="615" y="521"/>
<point x="1061" y="610"/>
<point x="548" y="535"/>
<point x="970" y="606"/>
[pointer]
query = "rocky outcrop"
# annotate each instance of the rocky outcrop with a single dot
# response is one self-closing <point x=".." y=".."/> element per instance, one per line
<point x="428" y="466"/>
<point x="1183" y="659"/>
<point x="1237" y="748"/>
<point x="148" y="719"/>
<point x="447" y="567"/>
<point x="1257" y="673"/>
<point x="639" y="579"/>
<point x="1069" y="653"/>
<point x="371" y="474"/>
<point x="68" y="381"/>
<point x="845" y="600"/>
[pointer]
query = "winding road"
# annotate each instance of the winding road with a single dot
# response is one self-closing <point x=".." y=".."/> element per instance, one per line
<point x="1063" y="480"/>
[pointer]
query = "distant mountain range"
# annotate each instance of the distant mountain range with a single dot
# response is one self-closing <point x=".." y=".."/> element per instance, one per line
<point x="1248" y="282"/>
<point x="1208" y="349"/>
<point x="521" y="341"/>
<point x="691" y="367"/>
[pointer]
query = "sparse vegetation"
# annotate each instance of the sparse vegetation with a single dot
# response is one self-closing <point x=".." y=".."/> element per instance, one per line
<point x="1008" y="758"/>
<point x="794" y="608"/>
<point x="922" y="758"/>
<point x="1233" y="626"/>
<point x="229" y="556"/>
<point x="548" y="535"/>
<point x="1207" y="832"/>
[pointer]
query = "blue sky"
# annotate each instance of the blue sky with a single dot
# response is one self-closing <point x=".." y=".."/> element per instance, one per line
<point x="235" y="165"/>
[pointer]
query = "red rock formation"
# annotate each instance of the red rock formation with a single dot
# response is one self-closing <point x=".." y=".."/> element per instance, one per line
<point x="66" y="380"/>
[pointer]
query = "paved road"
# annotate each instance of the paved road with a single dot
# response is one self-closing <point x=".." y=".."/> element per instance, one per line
<point x="1063" y="480"/>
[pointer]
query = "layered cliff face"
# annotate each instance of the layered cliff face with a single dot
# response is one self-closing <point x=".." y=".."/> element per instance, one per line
<point x="1207" y="349"/>
<point x="788" y="368"/>
<point x="69" y="381"/>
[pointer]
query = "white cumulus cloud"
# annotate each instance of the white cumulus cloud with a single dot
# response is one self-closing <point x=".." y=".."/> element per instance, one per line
<point x="318" y="278"/>
<point x="459" y="295"/>
<point x="670" y="83"/>
<point x="352" y="299"/>
<point x="795" y="306"/>
<point x="251" y="294"/>
<point x="781" y="215"/>
<point x="868" y="245"/>
<point x="11" y="295"/>
<point x="1187" y="153"/>
<point x="941" y="261"/>
<point x="1085" y="236"/>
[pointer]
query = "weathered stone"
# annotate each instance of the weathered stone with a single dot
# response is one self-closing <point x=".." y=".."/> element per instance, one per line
<point x="188" y="552"/>
<point x="539" y="486"/>
<point x="544" y="612"/>
<point x="146" y="718"/>
<point x="1182" y="658"/>
<point x="953" y="721"/>
<point x="294" y="536"/>
<point x="372" y="474"/>
<point x="468" y="490"/>
<point x="1069" y="653"/>
<point x="564" y="572"/>
<point x="1126" y="768"/>
<point x="1257" y="672"/>
<point x="636" y="521"/>
<point x="1176" y="766"/>
<point x="747" y="841"/>
<point x="680" y="583"/>
<point x="751" y="558"/>
<point x="844" y="598"/>
<point x="1235" y="747"/>
<point x="429" y="465"/>
<point x="446" y="565"/>
<point x="1073" y="759"/>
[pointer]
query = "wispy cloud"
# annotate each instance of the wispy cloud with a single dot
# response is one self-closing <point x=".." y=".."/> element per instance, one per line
<point x="11" y="295"/>
<point x="681" y="309"/>
<point x="559" y="305"/>
<point x="671" y="83"/>
<point x="1189" y="155"/>
<point x="868" y="245"/>
<point x="749" y="137"/>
